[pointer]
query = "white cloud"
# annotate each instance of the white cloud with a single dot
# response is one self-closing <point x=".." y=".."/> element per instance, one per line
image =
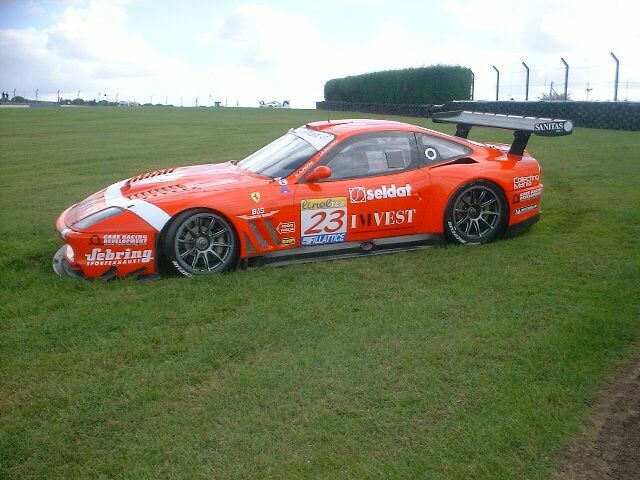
<point x="88" y="49"/>
<point x="269" y="53"/>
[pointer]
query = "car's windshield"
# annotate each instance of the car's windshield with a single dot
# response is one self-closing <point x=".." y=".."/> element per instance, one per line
<point x="285" y="155"/>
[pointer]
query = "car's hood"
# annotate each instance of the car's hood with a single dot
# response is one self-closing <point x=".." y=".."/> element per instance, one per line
<point x="162" y="184"/>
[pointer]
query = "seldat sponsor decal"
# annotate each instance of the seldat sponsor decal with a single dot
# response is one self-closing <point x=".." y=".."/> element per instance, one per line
<point x="360" y="194"/>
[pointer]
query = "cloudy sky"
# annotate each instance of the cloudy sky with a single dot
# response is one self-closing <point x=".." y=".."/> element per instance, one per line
<point x="247" y="51"/>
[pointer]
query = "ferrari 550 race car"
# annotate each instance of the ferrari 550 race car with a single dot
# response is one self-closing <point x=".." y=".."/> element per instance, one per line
<point x="324" y="190"/>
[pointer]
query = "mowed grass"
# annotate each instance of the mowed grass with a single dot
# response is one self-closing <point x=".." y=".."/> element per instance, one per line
<point x="455" y="362"/>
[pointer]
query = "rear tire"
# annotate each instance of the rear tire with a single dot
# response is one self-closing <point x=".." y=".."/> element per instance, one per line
<point x="200" y="242"/>
<point x="476" y="213"/>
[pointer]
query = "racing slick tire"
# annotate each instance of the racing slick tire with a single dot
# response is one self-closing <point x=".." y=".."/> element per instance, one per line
<point x="200" y="242"/>
<point x="476" y="213"/>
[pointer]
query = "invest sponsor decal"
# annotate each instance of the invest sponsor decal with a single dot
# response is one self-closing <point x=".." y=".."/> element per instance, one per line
<point x="323" y="220"/>
<point x="361" y="194"/>
<point x="382" y="219"/>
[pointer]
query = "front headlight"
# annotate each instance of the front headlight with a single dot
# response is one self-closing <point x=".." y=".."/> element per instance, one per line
<point x="71" y="256"/>
<point x="97" y="217"/>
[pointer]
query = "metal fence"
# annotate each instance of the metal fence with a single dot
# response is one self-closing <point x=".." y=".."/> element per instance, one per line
<point x="88" y="97"/>
<point x="566" y="80"/>
<point x="560" y="78"/>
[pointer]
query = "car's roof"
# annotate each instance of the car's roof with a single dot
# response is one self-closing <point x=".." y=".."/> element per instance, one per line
<point x="358" y="125"/>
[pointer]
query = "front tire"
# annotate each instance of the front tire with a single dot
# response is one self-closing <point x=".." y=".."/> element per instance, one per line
<point x="200" y="242"/>
<point x="476" y="213"/>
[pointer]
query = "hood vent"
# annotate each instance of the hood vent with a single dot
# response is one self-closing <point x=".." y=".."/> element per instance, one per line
<point x="164" y="190"/>
<point x="151" y="174"/>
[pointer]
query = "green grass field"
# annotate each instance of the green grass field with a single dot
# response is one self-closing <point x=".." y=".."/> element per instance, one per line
<point x="456" y="362"/>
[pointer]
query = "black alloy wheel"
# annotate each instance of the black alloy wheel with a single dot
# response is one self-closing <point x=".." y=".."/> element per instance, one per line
<point x="200" y="242"/>
<point x="476" y="213"/>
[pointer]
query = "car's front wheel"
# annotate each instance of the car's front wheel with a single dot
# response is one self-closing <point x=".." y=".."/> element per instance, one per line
<point x="476" y="213"/>
<point x="199" y="242"/>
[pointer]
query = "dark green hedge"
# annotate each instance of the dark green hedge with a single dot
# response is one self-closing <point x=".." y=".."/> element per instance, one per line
<point x="435" y="84"/>
<point x="611" y="115"/>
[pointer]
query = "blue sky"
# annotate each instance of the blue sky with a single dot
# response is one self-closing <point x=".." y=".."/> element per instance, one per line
<point x="247" y="51"/>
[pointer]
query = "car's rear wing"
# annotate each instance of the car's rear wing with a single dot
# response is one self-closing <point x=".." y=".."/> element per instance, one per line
<point x="522" y="127"/>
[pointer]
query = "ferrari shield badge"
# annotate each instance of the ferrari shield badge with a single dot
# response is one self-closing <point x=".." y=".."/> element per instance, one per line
<point x="255" y="196"/>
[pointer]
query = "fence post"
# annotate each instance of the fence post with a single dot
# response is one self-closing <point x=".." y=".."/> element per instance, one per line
<point x="497" y="82"/>
<point x="526" y="92"/>
<point x="566" y="77"/>
<point x="615" y="88"/>
<point x="473" y="84"/>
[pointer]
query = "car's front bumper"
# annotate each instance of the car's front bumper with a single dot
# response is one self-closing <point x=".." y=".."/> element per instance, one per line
<point x="122" y="247"/>
<point x="62" y="267"/>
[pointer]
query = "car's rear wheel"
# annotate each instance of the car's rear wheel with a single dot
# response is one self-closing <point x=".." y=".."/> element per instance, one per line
<point x="476" y="213"/>
<point x="200" y="242"/>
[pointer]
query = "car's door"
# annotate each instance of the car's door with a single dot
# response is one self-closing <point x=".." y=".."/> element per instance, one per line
<point x="375" y="190"/>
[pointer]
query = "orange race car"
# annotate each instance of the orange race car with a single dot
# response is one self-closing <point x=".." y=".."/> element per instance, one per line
<point x="324" y="190"/>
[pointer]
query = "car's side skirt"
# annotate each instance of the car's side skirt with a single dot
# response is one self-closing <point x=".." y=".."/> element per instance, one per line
<point x="345" y="250"/>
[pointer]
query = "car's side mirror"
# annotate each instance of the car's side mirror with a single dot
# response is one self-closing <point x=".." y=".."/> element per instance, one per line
<point x="319" y="173"/>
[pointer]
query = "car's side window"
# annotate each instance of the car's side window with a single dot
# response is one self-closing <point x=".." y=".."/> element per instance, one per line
<point x="435" y="149"/>
<point x="368" y="155"/>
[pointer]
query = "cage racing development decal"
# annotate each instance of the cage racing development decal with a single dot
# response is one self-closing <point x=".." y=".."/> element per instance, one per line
<point x="522" y="182"/>
<point x="361" y="194"/>
<point x="528" y="208"/>
<point x="323" y="220"/>
<point x="129" y="239"/>
<point x="99" y="257"/>
<point x="530" y="194"/>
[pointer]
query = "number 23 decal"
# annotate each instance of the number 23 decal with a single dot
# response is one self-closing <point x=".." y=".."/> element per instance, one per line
<point x="326" y="222"/>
